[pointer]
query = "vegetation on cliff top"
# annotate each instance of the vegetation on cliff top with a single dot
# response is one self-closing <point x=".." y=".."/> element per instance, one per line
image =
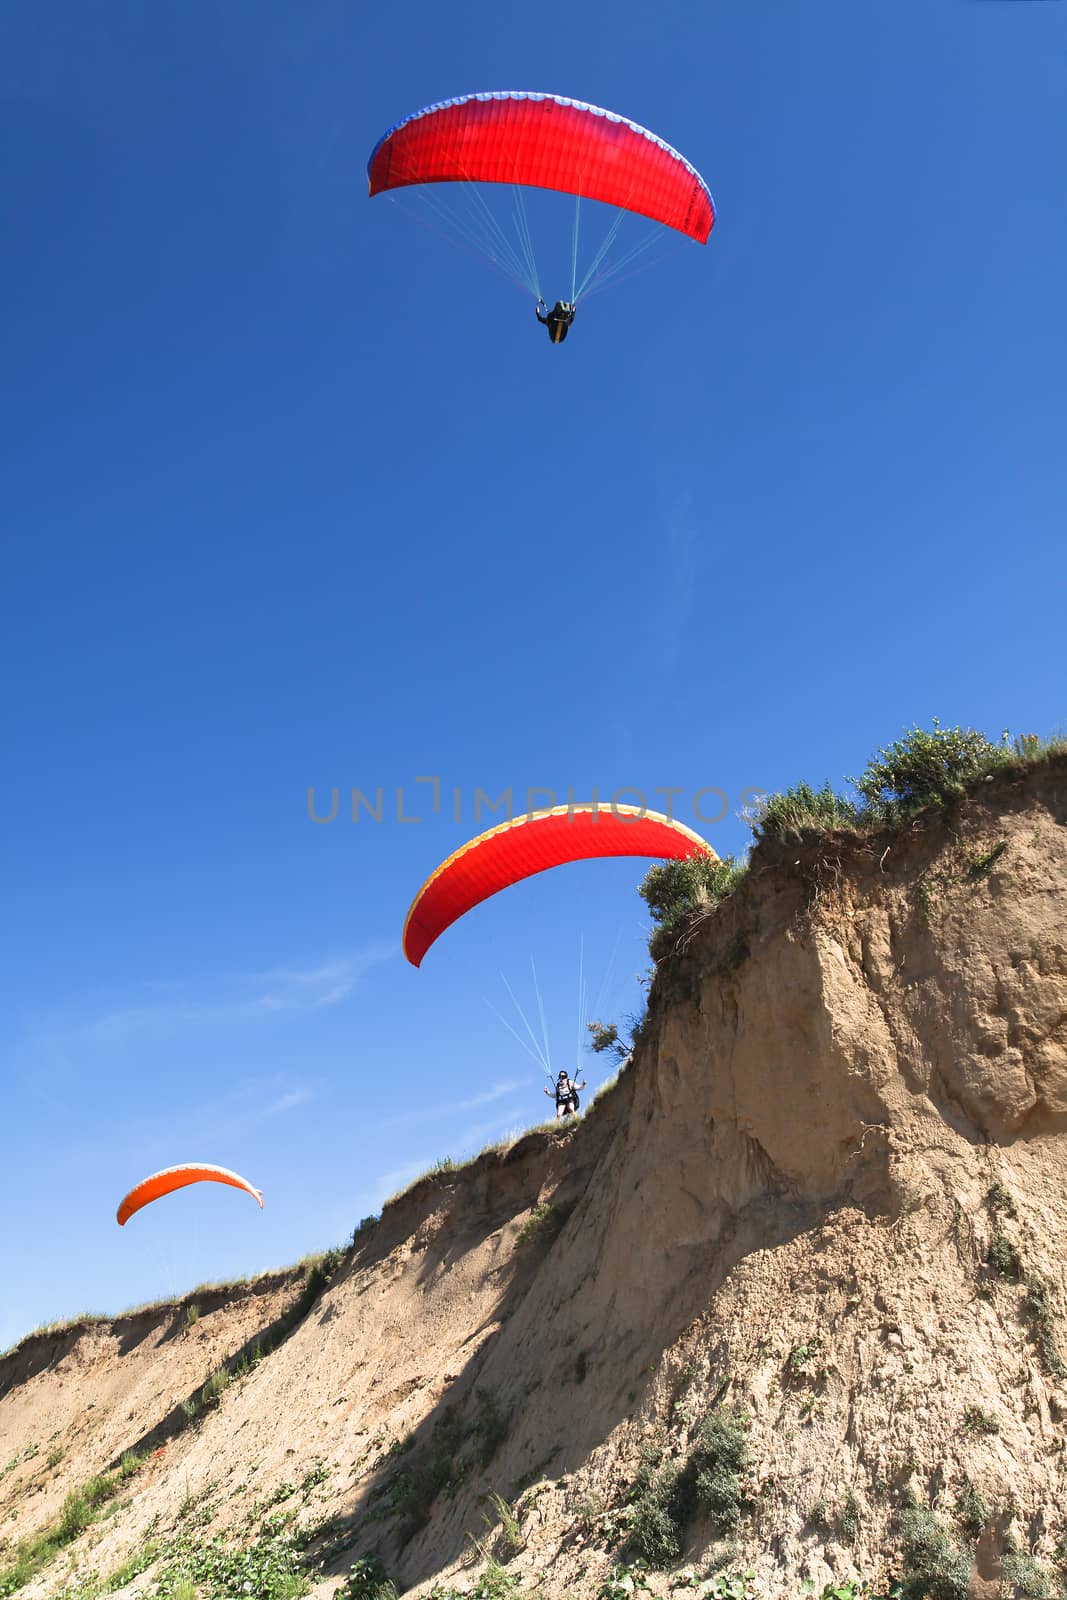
<point x="926" y="770"/>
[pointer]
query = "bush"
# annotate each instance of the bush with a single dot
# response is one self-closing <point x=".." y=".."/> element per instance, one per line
<point x="76" y="1515"/>
<point x="217" y="1384"/>
<point x="666" y="1499"/>
<point x="623" y="1582"/>
<point x="1003" y="1257"/>
<point x="677" y="889"/>
<point x="972" y="1513"/>
<point x="933" y="1568"/>
<point x="928" y="768"/>
<point x="1000" y="1199"/>
<point x="318" y="1270"/>
<point x="655" y="1537"/>
<point x="490" y="1428"/>
<point x="978" y="1420"/>
<point x="367" y="1581"/>
<point x="1027" y="1576"/>
<point x="606" y="1037"/>
<point x="710" y="1484"/>
<point x="849" y="1519"/>
<point x="736" y="1586"/>
<point x="654" y="1533"/>
<point x="1037" y="1309"/>
<point x="923" y="768"/>
<point x="509" y="1540"/>
<point x="440" y="1464"/>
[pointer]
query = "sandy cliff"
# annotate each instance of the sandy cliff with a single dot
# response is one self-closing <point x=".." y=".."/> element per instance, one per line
<point x="828" y="1199"/>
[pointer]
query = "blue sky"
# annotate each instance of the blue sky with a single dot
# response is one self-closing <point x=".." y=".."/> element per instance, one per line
<point x="295" y="494"/>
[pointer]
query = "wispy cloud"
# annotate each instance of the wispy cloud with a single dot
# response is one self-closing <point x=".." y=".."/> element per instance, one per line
<point x="251" y="1101"/>
<point x="167" y="1021"/>
<point x="238" y="997"/>
<point x="164" y="1010"/>
<point x="435" y="1113"/>
<point x="507" y="1124"/>
<point x="672" y="606"/>
<point x="286" y="1102"/>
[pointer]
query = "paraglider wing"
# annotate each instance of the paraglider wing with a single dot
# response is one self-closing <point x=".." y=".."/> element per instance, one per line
<point x="171" y="1178"/>
<point x="547" y="142"/>
<point x="533" y="843"/>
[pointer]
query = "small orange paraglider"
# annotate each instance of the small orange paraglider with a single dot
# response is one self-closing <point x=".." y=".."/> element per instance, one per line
<point x="171" y="1178"/>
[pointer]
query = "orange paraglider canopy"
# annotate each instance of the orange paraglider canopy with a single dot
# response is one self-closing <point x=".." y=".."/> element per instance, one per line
<point x="171" y="1178"/>
<point x="533" y="843"/>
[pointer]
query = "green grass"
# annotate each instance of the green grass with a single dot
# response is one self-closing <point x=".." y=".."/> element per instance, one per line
<point x="926" y="769"/>
<point x="801" y="810"/>
<point x="509" y="1539"/>
<point x="976" y="1420"/>
<point x="81" y="1508"/>
<point x="181" y="1307"/>
<point x="544" y="1224"/>
<point x="445" y="1167"/>
<point x="493" y="1584"/>
<point x="269" y="1569"/>
<point x="94" y="1586"/>
<point x="458" y="1447"/>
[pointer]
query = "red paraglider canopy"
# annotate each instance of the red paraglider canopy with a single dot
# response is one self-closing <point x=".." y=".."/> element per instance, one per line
<point x="533" y="843"/>
<point x="548" y="142"/>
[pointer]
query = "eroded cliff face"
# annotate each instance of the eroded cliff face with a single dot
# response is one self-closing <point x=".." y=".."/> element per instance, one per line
<point x="853" y="1081"/>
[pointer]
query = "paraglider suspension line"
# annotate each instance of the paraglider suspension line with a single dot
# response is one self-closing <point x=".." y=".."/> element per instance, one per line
<point x="582" y="998"/>
<point x="624" y="267"/>
<point x="496" y="232"/>
<point x="522" y="228"/>
<point x="535" y="1055"/>
<point x="541" y="1012"/>
<point x="574" y="247"/>
<point x="468" y="234"/>
<point x="609" y="239"/>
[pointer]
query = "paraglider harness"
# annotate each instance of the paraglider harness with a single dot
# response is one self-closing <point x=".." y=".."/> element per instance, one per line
<point x="558" y="320"/>
<point x="569" y="1097"/>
